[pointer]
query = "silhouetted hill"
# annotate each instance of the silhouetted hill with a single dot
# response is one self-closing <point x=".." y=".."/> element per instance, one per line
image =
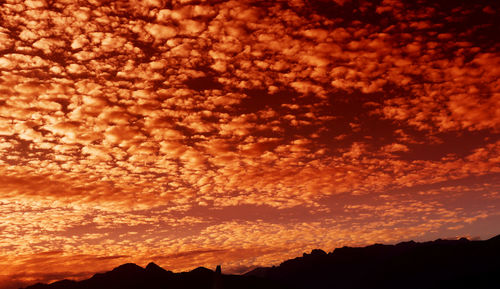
<point x="438" y="264"/>
<point x="132" y="276"/>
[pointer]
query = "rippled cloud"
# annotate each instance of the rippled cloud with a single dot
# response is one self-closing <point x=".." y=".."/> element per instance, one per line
<point x="240" y="132"/>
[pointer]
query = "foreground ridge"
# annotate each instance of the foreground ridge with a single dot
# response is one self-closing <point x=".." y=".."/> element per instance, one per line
<point x="436" y="264"/>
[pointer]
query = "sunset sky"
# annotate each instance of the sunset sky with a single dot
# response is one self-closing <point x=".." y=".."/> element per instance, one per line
<point x="241" y="133"/>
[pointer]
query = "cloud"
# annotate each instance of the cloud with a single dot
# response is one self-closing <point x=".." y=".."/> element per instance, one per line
<point x="395" y="147"/>
<point x="124" y="127"/>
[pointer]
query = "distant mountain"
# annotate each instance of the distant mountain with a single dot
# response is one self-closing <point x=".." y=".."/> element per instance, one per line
<point x="132" y="276"/>
<point x="439" y="264"/>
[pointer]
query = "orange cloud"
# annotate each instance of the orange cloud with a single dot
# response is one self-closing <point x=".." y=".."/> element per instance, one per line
<point x="242" y="133"/>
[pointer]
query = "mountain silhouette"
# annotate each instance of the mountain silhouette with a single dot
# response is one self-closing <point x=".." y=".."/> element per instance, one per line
<point x="132" y="276"/>
<point x="410" y="265"/>
<point x="438" y="264"/>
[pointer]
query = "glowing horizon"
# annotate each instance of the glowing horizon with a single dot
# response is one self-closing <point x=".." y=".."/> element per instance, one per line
<point x="241" y="133"/>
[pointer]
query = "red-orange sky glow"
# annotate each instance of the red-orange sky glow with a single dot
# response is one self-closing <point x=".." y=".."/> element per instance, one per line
<point x="241" y="133"/>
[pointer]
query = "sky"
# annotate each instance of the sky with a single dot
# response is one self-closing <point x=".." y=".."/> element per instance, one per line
<point x="241" y="133"/>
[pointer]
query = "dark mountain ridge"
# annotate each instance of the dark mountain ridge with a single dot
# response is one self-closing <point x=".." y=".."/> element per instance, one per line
<point x="132" y="276"/>
<point x="435" y="264"/>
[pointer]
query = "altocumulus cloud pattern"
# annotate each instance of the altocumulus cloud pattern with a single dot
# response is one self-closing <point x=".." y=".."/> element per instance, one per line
<point x="240" y="132"/>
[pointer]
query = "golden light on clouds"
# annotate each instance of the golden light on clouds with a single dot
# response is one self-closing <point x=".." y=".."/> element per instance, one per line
<point x="195" y="133"/>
